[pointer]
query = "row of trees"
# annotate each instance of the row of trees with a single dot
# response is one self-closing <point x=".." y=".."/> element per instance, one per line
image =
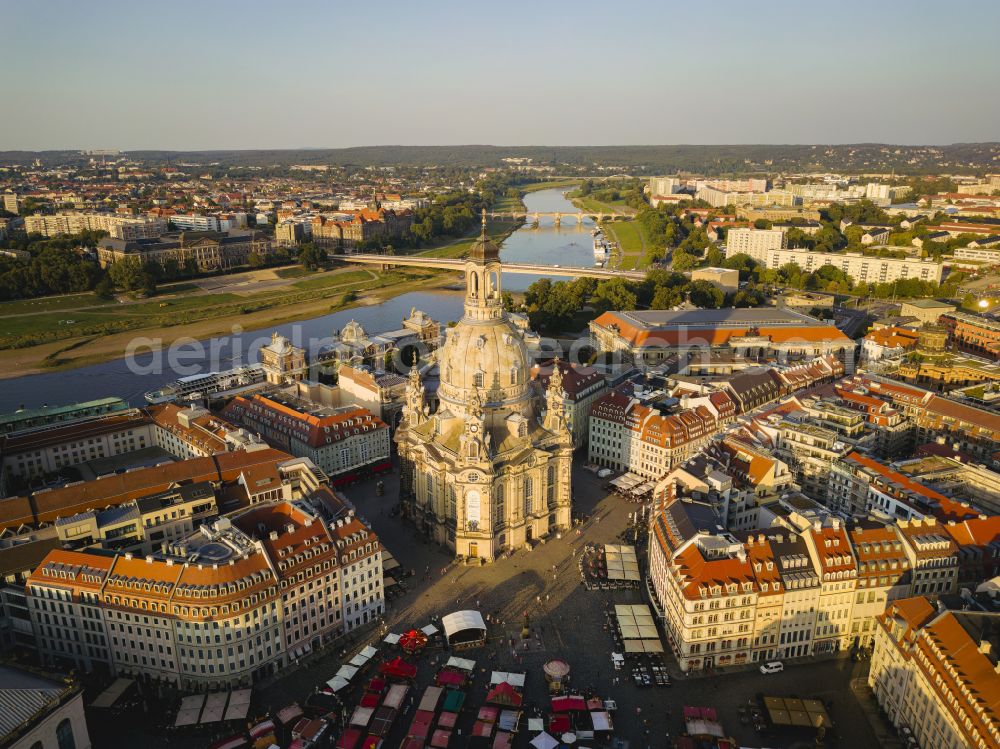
<point x="555" y="306"/>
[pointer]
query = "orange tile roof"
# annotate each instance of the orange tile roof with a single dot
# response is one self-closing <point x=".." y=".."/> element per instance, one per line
<point x="709" y="335"/>
<point x="117" y="489"/>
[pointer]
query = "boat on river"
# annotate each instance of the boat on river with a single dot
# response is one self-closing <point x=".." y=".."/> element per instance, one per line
<point x="209" y="383"/>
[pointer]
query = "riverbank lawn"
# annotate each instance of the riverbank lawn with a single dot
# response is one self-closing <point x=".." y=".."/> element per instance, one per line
<point x="631" y="239"/>
<point x="590" y="204"/>
<point x="497" y="229"/>
<point x="32" y="328"/>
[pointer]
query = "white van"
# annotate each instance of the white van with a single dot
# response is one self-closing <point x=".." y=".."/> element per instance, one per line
<point x="772" y="667"/>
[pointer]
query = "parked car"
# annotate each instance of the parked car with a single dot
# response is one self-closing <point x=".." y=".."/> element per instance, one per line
<point x="772" y="667"/>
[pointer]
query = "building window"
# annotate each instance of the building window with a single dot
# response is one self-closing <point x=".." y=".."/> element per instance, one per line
<point x="528" y="495"/>
<point x="64" y="735"/>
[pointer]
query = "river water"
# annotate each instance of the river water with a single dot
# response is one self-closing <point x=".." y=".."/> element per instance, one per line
<point x="566" y="245"/>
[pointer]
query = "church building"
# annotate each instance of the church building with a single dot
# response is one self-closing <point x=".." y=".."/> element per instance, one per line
<point x="485" y="472"/>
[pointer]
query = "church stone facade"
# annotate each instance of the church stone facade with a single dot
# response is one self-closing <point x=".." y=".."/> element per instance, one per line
<point x="484" y="472"/>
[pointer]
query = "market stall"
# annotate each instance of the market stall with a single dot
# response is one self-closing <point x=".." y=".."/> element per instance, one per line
<point x="464" y="628"/>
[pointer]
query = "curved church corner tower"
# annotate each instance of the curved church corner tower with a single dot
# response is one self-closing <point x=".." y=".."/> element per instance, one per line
<point x="484" y="472"/>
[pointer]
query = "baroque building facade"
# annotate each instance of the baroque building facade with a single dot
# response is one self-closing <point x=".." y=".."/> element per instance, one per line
<point x="485" y="472"/>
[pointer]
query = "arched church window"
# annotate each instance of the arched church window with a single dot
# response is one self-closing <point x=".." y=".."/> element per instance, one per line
<point x="64" y="735"/>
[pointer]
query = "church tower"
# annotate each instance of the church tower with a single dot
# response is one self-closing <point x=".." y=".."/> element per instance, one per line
<point x="482" y="279"/>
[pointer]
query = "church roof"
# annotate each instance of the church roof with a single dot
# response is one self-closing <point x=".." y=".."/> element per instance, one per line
<point x="484" y="248"/>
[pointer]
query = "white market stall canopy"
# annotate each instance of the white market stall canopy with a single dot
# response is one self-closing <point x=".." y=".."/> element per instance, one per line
<point x="392" y="638"/>
<point x="358" y="661"/>
<point x="239" y="704"/>
<point x="463" y="664"/>
<point x="112" y="694"/>
<point x="430" y="630"/>
<point x="187" y="717"/>
<point x="215" y="707"/>
<point x="346" y="672"/>
<point x="463" y="626"/>
<point x="515" y="680"/>
<point x="369" y="651"/>
<point x="337" y="683"/>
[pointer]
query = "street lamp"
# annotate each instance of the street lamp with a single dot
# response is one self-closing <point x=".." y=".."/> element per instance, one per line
<point x="984" y="304"/>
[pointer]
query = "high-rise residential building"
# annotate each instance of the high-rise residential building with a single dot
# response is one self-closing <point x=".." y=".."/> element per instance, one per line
<point x="750" y="241"/>
<point x="664" y="185"/>
<point x="868" y="268"/>
<point x="11" y="204"/>
<point x="118" y="226"/>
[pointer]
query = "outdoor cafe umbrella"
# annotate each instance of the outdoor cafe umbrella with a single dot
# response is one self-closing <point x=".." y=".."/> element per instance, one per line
<point x="569" y="738"/>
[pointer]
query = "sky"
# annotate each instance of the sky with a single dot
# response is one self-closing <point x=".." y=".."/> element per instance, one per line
<point x="216" y="74"/>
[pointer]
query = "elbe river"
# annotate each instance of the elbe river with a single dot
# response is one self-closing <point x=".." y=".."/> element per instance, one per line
<point x="566" y="245"/>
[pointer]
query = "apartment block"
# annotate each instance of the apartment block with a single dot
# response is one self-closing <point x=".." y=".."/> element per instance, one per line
<point x="118" y="226"/>
<point x="860" y="267"/>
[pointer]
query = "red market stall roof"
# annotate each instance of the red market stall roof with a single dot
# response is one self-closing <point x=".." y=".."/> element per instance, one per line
<point x="413" y="743"/>
<point x="419" y="729"/>
<point x="559" y="723"/>
<point x="376" y="685"/>
<point x="349" y="739"/>
<point x="482" y="728"/>
<point x="489" y="714"/>
<point x="399" y="669"/>
<point x="568" y="704"/>
<point x="450" y="678"/>
<point x="372" y="742"/>
<point x="262" y="729"/>
<point x="290" y="714"/>
<point x="502" y="741"/>
<point x="369" y="700"/>
<point x="423" y="716"/>
<point x="440" y="739"/>
<point x="504" y="694"/>
<point x="447" y="720"/>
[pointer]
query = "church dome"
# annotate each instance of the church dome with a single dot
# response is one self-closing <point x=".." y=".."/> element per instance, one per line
<point x="489" y="356"/>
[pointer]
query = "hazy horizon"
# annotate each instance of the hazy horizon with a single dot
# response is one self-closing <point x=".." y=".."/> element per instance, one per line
<point x="252" y="76"/>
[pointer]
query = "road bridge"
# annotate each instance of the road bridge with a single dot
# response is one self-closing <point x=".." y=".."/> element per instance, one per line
<point x="386" y="262"/>
<point x="558" y="216"/>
